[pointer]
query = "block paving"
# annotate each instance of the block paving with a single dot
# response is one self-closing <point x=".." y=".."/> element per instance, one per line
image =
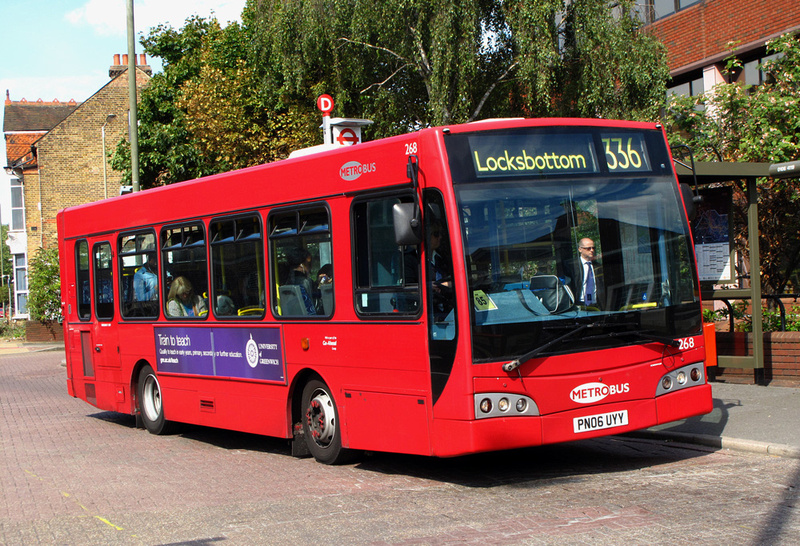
<point x="72" y="474"/>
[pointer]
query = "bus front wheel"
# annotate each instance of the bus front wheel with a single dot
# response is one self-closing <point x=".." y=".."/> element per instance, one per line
<point x="321" y="424"/>
<point x="150" y="403"/>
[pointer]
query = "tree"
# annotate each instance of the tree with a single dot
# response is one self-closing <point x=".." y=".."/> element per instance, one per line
<point x="245" y="94"/>
<point x="412" y="63"/>
<point x="44" y="296"/>
<point x="734" y="122"/>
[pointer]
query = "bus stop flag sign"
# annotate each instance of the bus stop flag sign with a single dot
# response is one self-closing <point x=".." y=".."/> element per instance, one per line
<point x="325" y="104"/>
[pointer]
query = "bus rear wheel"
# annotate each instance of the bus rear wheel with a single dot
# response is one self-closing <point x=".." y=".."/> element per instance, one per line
<point x="321" y="424"/>
<point x="151" y="406"/>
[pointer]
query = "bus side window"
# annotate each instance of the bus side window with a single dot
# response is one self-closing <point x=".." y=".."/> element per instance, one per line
<point x="439" y="267"/>
<point x="302" y="271"/>
<point x="237" y="267"/>
<point x="104" y="282"/>
<point x="138" y="267"/>
<point x="83" y="287"/>
<point x="386" y="275"/>
<point x="185" y="271"/>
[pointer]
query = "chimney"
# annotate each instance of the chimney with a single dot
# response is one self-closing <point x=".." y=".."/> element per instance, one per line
<point x="120" y="65"/>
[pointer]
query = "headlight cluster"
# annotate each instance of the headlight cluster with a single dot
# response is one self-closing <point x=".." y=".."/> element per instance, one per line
<point x="495" y="404"/>
<point x="681" y="378"/>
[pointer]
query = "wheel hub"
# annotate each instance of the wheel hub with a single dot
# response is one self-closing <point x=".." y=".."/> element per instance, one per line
<point x="320" y="418"/>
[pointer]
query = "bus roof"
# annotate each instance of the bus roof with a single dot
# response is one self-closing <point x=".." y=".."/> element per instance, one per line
<point x="348" y="169"/>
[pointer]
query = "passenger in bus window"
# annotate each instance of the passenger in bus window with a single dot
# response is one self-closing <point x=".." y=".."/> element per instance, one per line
<point x="225" y="306"/>
<point x="145" y="280"/>
<point x="183" y="302"/>
<point x="299" y="263"/>
<point x="325" y="275"/>
<point x="439" y="273"/>
<point x="324" y="289"/>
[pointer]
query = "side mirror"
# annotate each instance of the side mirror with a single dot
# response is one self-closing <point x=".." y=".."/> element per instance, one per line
<point x="407" y="228"/>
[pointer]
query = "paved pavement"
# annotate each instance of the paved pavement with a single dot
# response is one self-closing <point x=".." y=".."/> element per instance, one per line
<point x="745" y="417"/>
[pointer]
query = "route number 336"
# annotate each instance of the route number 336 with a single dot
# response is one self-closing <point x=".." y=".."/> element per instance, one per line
<point x="621" y="155"/>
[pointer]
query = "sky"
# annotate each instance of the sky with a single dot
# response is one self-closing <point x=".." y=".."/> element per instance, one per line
<point x="61" y="49"/>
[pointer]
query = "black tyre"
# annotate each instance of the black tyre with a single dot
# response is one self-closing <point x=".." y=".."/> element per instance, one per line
<point x="151" y="406"/>
<point x="321" y="424"/>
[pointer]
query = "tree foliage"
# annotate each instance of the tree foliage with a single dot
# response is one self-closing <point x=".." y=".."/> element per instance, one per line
<point x="44" y="284"/>
<point x="412" y="63"/>
<point x="245" y="94"/>
<point x="734" y="122"/>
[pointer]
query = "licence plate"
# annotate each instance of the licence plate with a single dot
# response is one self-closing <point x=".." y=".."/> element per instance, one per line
<point x="600" y="421"/>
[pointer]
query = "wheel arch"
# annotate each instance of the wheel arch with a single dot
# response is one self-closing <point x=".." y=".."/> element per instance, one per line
<point x="134" y="386"/>
<point x="296" y="393"/>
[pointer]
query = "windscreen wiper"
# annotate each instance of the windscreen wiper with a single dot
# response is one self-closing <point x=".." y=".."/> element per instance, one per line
<point x="516" y="363"/>
<point x="664" y="340"/>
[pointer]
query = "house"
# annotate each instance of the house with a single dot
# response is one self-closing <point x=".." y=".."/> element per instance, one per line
<point x="701" y="34"/>
<point x="58" y="157"/>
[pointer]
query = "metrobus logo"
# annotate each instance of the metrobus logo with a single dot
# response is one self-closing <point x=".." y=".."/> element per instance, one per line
<point x="353" y="169"/>
<point x="589" y="393"/>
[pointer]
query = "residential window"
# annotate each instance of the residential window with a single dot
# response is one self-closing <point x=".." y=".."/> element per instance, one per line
<point x="21" y="283"/>
<point x="652" y="10"/>
<point x="17" y="206"/>
<point x="691" y="88"/>
<point x="753" y="74"/>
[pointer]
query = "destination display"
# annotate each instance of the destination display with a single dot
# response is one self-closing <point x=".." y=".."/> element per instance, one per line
<point x="542" y="154"/>
<point x="532" y="154"/>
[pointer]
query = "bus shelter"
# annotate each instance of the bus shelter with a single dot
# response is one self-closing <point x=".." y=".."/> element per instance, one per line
<point x="700" y="178"/>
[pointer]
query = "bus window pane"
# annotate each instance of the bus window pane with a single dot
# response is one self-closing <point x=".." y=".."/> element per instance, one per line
<point x="387" y="275"/>
<point x="185" y="271"/>
<point x="237" y="268"/>
<point x="82" y="287"/>
<point x="439" y="269"/>
<point x="303" y="263"/>
<point x="104" y="282"/>
<point x="138" y="268"/>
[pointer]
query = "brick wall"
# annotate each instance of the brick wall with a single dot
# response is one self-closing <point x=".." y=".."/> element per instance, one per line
<point x="36" y="331"/>
<point x="702" y="32"/>
<point x="781" y="357"/>
<point x="70" y="160"/>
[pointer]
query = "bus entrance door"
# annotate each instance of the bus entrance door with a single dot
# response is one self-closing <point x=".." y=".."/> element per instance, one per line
<point x="103" y="338"/>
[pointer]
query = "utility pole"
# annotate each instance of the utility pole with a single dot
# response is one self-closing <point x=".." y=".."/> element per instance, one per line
<point x="134" y="116"/>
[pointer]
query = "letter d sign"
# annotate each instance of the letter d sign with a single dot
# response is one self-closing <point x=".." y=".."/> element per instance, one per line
<point x="325" y="104"/>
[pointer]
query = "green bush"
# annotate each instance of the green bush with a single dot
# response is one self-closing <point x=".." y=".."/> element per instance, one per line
<point x="44" y="285"/>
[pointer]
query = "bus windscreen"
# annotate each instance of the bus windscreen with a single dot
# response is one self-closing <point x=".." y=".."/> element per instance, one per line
<point x="529" y="235"/>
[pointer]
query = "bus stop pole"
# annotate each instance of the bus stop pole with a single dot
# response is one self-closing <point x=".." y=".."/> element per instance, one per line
<point x="755" y="278"/>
